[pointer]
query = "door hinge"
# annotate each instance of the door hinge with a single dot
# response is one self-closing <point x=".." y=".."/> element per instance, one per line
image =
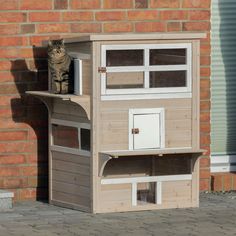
<point x="135" y="131"/>
<point x="102" y="69"/>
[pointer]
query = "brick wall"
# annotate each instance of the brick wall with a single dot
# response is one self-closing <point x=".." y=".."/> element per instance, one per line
<point x="25" y="23"/>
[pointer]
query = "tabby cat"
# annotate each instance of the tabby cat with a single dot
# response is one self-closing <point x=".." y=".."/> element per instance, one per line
<point x="59" y="64"/>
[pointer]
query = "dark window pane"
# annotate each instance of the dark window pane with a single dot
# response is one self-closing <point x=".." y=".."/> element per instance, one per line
<point x="125" y="80"/>
<point x="124" y="58"/>
<point x="162" y="79"/>
<point x="146" y="193"/>
<point x="167" y="56"/>
<point x="65" y="136"/>
<point x="85" y="139"/>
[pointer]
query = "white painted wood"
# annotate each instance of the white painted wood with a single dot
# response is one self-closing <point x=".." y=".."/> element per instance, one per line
<point x="223" y="163"/>
<point x="152" y="123"/>
<point x="146" y="69"/>
<point x="158" y="192"/>
<point x="78" y="81"/>
<point x="79" y="55"/>
<point x="146" y="179"/>
<point x="134" y="194"/>
<point x="149" y="131"/>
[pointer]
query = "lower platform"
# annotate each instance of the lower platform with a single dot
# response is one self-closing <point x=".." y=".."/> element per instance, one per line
<point x="5" y="200"/>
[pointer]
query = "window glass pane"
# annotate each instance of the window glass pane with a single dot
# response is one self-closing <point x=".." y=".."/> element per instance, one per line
<point x="168" y="56"/>
<point x="85" y="139"/>
<point x="125" y="80"/>
<point x="146" y="193"/>
<point x="124" y="57"/>
<point x="162" y="79"/>
<point x="65" y="136"/>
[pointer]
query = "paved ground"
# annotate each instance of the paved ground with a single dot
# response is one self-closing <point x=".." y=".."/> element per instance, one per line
<point x="216" y="216"/>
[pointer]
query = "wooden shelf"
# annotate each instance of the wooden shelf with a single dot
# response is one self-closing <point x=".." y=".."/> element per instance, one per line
<point x="83" y="101"/>
<point x="105" y="156"/>
<point x="158" y="152"/>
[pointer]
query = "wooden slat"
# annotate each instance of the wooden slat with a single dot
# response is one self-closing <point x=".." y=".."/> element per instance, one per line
<point x="70" y="178"/>
<point x="86" y="76"/>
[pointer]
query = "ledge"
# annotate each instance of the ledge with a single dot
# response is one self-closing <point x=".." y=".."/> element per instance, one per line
<point x="158" y="152"/>
<point x="105" y="156"/>
<point x="83" y="101"/>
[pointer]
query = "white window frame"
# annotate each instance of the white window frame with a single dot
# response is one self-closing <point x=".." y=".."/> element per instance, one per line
<point x="79" y="126"/>
<point x="160" y="111"/>
<point x="146" y="92"/>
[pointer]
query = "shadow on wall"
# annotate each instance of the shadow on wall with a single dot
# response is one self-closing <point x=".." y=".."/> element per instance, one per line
<point x="32" y="75"/>
<point x="227" y="36"/>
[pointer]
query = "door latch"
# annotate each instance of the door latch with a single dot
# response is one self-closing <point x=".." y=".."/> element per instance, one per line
<point x="135" y="131"/>
<point x="102" y="69"/>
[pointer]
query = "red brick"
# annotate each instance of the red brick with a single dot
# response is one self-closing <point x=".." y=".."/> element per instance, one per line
<point x="205" y="72"/>
<point x="9" y="29"/>
<point x="205" y="60"/>
<point x="150" y="27"/>
<point x="37" y="40"/>
<point x="13" y="135"/>
<point x="143" y="15"/>
<point x="9" y="53"/>
<point x="5" y="65"/>
<point x="118" y="27"/>
<point x="9" y="171"/>
<point x="27" y="28"/>
<point x="204" y="162"/>
<point x="33" y="158"/>
<point x="53" y="28"/>
<point x="85" y="4"/>
<point x="234" y="181"/>
<point x="12" y="41"/>
<point x="227" y="182"/>
<point x="86" y="28"/>
<point x="204" y="173"/>
<point x="6" y="100"/>
<point x="29" y="170"/>
<point x="165" y="3"/>
<point x="205" y="105"/>
<point x="44" y="16"/>
<point x="36" y="4"/>
<point x="77" y="16"/>
<point x="117" y="4"/>
<point x="12" y="159"/>
<point x="110" y="15"/>
<point x="17" y="147"/>
<point x="205" y="84"/>
<point x="7" y="17"/>
<point x="205" y="49"/>
<point x="9" y="5"/>
<point x="204" y="185"/>
<point x="141" y="3"/>
<point x="60" y="4"/>
<point x="205" y="116"/>
<point x="174" y="26"/>
<point x="196" y="3"/>
<point x="217" y="183"/>
<point x="196" y="26"/>
<point x="24" y="194"/>
<point x="205" y="127"/>
<point x="199" y="15"/>
<point x="173" y="15"/>
<point x="205" y="139"/>
<point x="14" y="182"/>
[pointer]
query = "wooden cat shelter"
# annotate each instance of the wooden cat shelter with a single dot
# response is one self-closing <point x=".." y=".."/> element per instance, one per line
<point x="128" y="139"/>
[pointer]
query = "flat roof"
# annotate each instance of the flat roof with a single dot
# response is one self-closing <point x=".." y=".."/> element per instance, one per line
<point x="134" y="36"/>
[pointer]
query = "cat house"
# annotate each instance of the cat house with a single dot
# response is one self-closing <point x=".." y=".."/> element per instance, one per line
<point x="128" y="138"/>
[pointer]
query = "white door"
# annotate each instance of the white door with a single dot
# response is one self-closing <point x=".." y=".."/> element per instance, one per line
<point x="146" y="131"/>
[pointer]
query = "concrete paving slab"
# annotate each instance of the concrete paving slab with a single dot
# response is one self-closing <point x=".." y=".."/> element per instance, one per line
<point x="216" y="216"/>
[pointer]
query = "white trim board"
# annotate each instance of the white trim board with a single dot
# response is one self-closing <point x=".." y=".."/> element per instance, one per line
<point x="223" y="163"/>
<point x="146" y="68"/>
<point x="146" y="179"/>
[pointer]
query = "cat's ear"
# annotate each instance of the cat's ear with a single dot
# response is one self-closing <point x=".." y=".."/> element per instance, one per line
<point x="49" y="43"/>
<point x="62" y="41"/>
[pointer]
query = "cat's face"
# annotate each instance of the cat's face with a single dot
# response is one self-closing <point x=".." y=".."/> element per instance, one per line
<point x="56" y="48"/>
